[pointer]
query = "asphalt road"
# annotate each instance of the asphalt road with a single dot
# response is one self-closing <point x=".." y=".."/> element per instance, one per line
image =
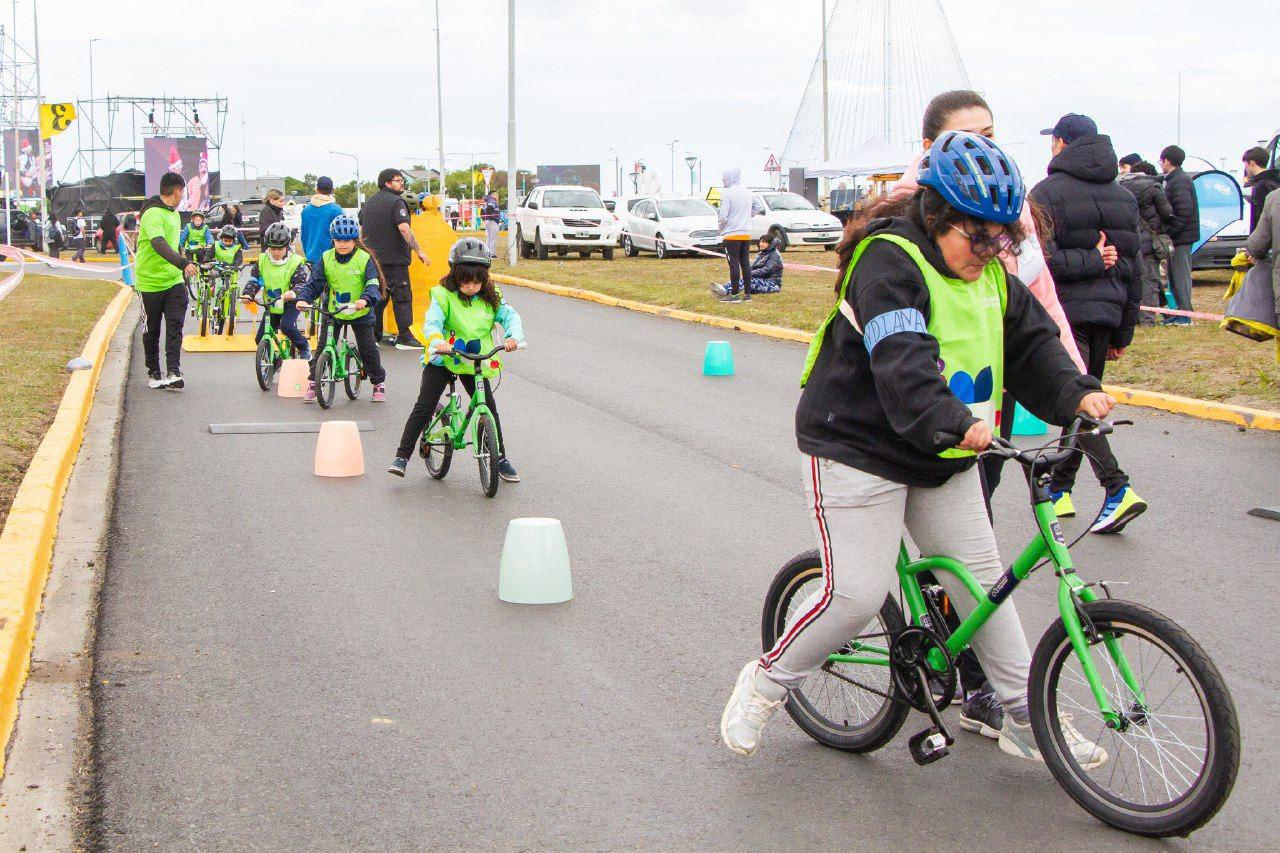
<point x="291" y="662"/>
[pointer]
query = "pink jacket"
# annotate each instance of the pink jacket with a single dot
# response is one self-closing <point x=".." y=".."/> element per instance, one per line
<point x="1030" y="267"/>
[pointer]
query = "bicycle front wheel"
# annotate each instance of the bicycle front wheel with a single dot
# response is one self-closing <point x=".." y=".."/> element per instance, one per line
<point x="487" y="454"/>
<point x="843" y="705"/>
<point x="1172" y="762"/>
<point x="264" y="365"/>
<point x="326" y="384"/>
<point x="355" y="376"/>
<point x="436" y="445"/>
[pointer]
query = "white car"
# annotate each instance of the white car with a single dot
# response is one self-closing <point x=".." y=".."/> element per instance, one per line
<point x="793" y="221"/>
<point x="619" y="206"/>
<point x="565" y="219"/>
<point x="669" y="226"/>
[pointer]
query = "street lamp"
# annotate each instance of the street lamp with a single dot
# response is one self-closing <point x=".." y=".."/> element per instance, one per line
<point x="93" y="156"/>
<point x="617" y="169"/>
<point x="359" y="195"/>
<point x="672" y="146"/>
<point x="692" y="162"/>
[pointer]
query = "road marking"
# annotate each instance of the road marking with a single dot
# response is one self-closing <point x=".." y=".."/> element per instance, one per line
<point x="276" y="427"/>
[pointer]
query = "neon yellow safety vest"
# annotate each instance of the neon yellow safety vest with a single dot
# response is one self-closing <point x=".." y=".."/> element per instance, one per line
<point x="470" y="322"/>
<point x="967" y="320"/>
<point x="225" y="254"/>
<point x="275" y="279"/>
<point x="346" y="281"/>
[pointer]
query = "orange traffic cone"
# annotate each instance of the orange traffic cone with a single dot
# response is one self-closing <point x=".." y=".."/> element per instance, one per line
<point x="338" y="450"/>
<point x="294" y="373"/>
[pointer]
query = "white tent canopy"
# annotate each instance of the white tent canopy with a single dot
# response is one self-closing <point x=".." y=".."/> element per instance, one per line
<point x="873" y="157"/>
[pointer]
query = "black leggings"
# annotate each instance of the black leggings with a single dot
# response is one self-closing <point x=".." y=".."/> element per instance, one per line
<point x="739" y="254"/>
<point x="365" y="345"/>
<point x="434" y="380"/>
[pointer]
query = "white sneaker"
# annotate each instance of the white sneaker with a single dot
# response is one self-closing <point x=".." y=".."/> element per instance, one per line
<point x="718" y="289"/>
<point x="749" y="709"/>
<point x="1018" y="740"/>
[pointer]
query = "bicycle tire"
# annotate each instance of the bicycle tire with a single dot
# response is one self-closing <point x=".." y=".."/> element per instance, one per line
<point x="204" y="316"/>
<point x="886" y="716"/>
<point x="487" y="454"/>
<point x="355" y="376"/>
<point x="1210" y="788"/>
<point x="326" y="385"/>
<point x="264" y="364"/>
<point x="437" y="456"/>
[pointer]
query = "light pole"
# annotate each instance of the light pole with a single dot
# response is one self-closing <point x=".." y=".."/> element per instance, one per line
<point x="512" y="253"/>
<point x="93" y="156"/>
<point x="440" y="104"/>
<point x="692" y="162"/>
<point x="243" y="166"/>
<point x="359" y="196"/>
<point x="672" y="146"/>
<point x="617" y="170"/>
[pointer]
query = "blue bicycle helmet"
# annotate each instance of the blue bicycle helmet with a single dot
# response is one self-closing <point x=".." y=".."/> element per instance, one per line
<point x="344" y="227"/>
<point x="974" y="176"/>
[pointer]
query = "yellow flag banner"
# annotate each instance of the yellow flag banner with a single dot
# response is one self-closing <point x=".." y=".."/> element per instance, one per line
<point x="55" y="118"/>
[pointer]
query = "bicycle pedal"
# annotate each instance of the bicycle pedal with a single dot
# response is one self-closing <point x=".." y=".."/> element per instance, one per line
<point x="928" y="746"/>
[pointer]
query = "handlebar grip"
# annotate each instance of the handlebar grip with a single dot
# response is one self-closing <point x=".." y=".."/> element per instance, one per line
<point x="945" y="439"/>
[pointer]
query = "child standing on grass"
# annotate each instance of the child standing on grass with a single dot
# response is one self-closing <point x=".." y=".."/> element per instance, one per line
<point x="159" y="272"/>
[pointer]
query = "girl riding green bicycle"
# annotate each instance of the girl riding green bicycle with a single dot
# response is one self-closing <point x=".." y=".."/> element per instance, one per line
<point x="928" y="329"/>
<point x="466" y="307"/>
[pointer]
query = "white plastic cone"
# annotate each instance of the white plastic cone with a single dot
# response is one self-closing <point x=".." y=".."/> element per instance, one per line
<point x="535" y="563"/>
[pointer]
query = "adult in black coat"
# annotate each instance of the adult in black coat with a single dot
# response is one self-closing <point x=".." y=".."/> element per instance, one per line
<point x="1094" y="255"/>
<point x="1185" y="228"/>
<point x="272" y="211"/>
<point x="1260" y="180"/>
<point x="1154" y="214"/>
<point x="108" y="223"/>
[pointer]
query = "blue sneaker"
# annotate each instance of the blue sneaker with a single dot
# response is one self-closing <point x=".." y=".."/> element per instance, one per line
<point x="1122" y="507"/>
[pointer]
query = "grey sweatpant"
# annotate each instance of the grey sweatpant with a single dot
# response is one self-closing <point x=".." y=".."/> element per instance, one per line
<point x="491" y="229"/>
<point x="1180" y="275"/>
<point x="859" y="519"/>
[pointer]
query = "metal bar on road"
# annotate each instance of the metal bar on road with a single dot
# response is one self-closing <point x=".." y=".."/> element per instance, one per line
<point x="276" y="427"/>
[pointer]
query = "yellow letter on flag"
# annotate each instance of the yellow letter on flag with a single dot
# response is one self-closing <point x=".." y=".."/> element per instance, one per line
<point x="55" y="118"/>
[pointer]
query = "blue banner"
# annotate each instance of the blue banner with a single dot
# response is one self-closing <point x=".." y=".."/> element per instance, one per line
<point x="1221" y="203"/>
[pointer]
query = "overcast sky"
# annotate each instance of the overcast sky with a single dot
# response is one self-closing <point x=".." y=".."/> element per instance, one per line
<point x="724" y="77"/>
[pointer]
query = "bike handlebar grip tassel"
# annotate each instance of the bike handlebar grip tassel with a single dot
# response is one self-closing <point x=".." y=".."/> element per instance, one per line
<point x="535" y="563"/>
<point x="294" y="374"/>
<point x="1025" y="423"/>
<point x="338" y="450"/>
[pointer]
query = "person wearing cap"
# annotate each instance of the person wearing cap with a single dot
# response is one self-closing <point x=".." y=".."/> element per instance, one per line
<point x="1094" y="258"/>
<point x="319" y="213"/>
<point x="1128" y="161"/>
<point x="1184" y="230"/>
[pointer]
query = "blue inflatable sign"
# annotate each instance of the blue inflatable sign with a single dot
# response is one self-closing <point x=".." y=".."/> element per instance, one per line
<point x="1221" y="203"/>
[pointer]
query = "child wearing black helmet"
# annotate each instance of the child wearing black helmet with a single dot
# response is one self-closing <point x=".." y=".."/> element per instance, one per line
<point x="466" y="309"/>
<point x="227" y="250"/>
<point x="927" y="330"/>
<point x="277" y="272"/>
<point x="349" y="275"/>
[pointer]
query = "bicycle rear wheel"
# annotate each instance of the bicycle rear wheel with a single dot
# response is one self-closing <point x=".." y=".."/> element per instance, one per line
<point x="437" y="452"/>
<point x="487" y="454"/>
<point x="1174" y="762"/>
<point x="326" y="385"/>
<point x="830" y="707"/>
<point x="264" y="364"/>
<point x="204" y="315"/>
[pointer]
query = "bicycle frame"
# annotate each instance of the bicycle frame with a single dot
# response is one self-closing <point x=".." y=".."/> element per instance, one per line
<point x="462" y="428"/>
<point x="336" y="343"/>
<point x="1051" y="544"/>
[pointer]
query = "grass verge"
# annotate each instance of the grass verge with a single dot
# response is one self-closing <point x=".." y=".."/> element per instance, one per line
<point x="1199" y="361"/>
<point x="44" y="323"/>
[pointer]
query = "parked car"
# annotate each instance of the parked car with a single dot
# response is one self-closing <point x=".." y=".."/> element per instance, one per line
<point x="250" y="213"/>
<point x="793" y="221"/>
<point x="565" y="219"/>
<point x="619" y="206"/>
<point x="666" y="225"/>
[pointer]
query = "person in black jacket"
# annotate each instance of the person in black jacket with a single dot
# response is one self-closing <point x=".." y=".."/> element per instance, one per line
<point x="1154" y="216"/>
<point x="272" y="212"/>
<point x="1094" y="258"/>
<point x="1260" y="180"/>
<point x="895" y="408"/>
<point x="1184" y="230"/>
<point x="766" y="270"/>
<point x="386" y="229"/>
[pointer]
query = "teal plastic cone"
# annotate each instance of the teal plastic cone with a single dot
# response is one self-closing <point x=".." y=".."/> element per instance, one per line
<point x="535" y="563"/>
<point x="718" y="360"/>
<point x="1025" y="423"/>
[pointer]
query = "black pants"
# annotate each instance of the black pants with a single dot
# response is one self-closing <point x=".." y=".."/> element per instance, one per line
<point x="365" y="345"/>
<point x="434" y="380"/>
<point x="286" y="322"/>
<point x="77" y="243"/>
<point x="1093" y="342"/>
<point x="171" y="305"/>
<point x="398" y="290"/>
<point x="739" y="254"/>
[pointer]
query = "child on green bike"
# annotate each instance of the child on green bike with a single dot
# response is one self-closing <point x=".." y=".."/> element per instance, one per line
<point x="350" y="276"/>
<point x="279" y="271"/>
<point x="227" y="248"/>
<point x="466" y="307"/>
<point x="928" y="329"/>
<point x="195" y="237"/>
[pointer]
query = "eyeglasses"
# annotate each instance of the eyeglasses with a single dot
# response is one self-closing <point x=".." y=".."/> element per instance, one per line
<point x="986" y="246"/>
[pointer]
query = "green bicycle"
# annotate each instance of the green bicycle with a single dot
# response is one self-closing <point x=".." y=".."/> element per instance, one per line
<point x="273" y="348"/>
<point x="223" y="290"/>
<point x="338" y="361"/>
<point x="451" y="429"/>
<point x="1123" y="675"/>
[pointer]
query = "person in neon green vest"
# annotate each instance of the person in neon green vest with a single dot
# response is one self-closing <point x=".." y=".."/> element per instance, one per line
<point x="927" y="330"/>
<point x="466" y="311"/>
<point x="227" y="248"/>
<point x="349" y="279"/>
<point x="278" y="271"/>
<point x="195" y="236"/>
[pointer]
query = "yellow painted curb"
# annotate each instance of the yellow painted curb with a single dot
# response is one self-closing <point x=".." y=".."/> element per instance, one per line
<point x="1205" y="409"/>
<point x="26" y="542"/>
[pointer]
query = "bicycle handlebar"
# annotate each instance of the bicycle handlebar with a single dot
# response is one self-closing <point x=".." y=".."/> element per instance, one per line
<point x="479" y="356"/>
<point x="1068" y="443"/>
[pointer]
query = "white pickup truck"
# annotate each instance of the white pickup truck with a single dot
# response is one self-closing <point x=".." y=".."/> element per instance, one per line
<point x="564" y="219"/>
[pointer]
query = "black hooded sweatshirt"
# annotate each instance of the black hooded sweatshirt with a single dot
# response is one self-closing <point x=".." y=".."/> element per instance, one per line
<point x="1260" y="186"/>
<point x="878" y="411"/>
<point x="1083" y="199"/>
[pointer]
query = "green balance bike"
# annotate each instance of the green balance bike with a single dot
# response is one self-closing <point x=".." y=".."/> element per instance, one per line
<point x="224" y="292"/>
<point x="273" y="348"/>
<point x="338" y="361"/>
<point x="200" y="289"/>
<point x="1118" y="673"/>
<point x="452" y="429"/>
